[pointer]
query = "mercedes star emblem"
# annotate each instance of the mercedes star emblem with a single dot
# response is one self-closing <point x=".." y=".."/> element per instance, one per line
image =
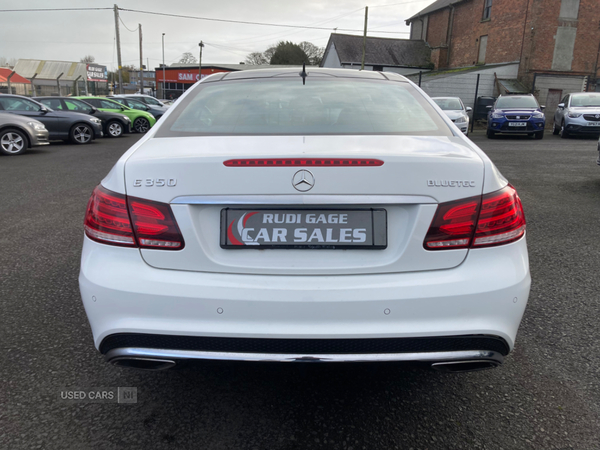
<point x="597" y="116"/>
<point x="518" y="117"/>
<point x="303" y="180"/>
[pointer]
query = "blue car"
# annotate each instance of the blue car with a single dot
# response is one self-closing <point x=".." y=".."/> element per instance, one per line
<point x="514" y="114"/>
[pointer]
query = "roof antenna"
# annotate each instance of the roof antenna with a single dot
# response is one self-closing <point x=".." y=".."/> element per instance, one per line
<point x="303" y="74"/>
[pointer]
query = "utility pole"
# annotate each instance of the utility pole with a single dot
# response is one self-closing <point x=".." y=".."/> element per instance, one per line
<point x="163" y="64"/>
<point x="141" y="62"/>
<point x="201" y="45"/>
<point x="362" y="65"/>
<point x="116" y="9"/>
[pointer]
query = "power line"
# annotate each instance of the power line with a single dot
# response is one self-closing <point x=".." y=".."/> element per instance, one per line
<point x="54" y="9"/>
<point x="243" y="22"/>
<point x="133" y="31"/>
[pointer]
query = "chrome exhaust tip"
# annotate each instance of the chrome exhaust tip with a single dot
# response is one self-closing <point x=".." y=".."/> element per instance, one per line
<point x="143" y="363"/>
<point x="465" y="366"/>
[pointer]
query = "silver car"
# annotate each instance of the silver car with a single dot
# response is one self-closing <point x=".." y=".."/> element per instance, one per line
<point x="454" y="108"/>
<point x="18" y="133"/>
<point x="578" y="113"/>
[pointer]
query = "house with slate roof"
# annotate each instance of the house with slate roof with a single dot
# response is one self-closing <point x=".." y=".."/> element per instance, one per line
<point x="402" y="56"/>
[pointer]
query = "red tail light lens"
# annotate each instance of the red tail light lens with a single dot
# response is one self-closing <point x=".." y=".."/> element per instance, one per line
<point x="482" y="221"/>
<point x="501" y="219"/>
<point x="297" y="162"/>
<point x="116" y="219"/>
<point x="154" y="224"/>
<point x="453" y="225"/>
<point x="107" y="219"/>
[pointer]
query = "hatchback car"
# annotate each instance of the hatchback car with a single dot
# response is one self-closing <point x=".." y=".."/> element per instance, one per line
<point x="17" y="134"/>
<point x="516" y="114"/>
<point x="337" y="216"/>
<point x="455" y="109"/>
<point x="156" y="111"/>
<point x="578" y="113"/>
<point x="113" y="124"/>
<point x="62" y="125"/>
<point x="141" y="121"/>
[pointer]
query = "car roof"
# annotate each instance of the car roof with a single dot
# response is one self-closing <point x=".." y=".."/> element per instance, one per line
<point x="321" y="72"/>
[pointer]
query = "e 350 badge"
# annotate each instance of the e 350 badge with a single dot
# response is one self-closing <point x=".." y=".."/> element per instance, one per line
<point x="158" y="182"/>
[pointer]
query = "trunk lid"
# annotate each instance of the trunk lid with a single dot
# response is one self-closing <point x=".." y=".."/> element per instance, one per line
<point x="418" y="173"/>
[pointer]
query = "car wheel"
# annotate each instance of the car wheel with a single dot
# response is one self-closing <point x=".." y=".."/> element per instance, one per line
<point x="491" y="134"/>
<point x="563" y="133"/>
<point x="81" y="134"/>
<point x="555" y="129"/>
<point x="12" y="142"/>
<point x="114" y="129"/>
<point x="539" y="135"/>
<point x="141" y="125"/>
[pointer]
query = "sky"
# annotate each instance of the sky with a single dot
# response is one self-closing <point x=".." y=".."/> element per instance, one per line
<point x="70" y="35"/>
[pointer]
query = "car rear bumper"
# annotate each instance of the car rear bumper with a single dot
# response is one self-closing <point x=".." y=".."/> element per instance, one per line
<point x="136" y="309"/>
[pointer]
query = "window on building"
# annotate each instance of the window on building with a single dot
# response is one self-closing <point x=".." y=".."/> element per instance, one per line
<point x="482" y="49"/>
<point x="487" y="9"/>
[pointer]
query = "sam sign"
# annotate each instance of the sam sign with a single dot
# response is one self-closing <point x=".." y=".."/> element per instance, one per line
<point x="96" y="72"/>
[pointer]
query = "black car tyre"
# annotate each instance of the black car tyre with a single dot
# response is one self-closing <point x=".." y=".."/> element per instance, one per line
<point x="491" y="134"/>
<point x="555" y="129"/>
<point x="539" y="135"/>
<point x="141" y="125"/>
<point x="563" y="133"/>
<point x="13" y="142"/>
<point x="114" y="129"/>
<point x="81" y="134"/>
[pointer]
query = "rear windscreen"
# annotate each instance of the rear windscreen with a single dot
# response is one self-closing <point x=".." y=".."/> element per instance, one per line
<point x="286" y="106"/>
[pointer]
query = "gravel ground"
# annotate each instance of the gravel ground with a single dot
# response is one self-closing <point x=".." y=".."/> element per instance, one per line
<point x="546" y="395"/>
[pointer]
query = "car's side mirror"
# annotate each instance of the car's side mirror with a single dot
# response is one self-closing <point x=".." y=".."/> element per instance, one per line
<point x="43" y="110"/>
<point x="93" y="110"/>
<point x="469" y="109"/>
<point x="489" y="106"/>
<point x="561" y="105"/>
<point x="542" y="107"/>
<point x="122" y="108"/>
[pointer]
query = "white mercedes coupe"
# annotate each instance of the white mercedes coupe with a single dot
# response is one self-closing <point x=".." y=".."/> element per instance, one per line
<point x="334" y="215"/>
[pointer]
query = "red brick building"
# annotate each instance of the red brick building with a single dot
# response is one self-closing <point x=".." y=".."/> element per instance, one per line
<point x="555" y="42"/>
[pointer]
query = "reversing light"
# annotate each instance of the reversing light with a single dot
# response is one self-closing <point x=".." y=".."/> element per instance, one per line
<point x="303" y="162"/>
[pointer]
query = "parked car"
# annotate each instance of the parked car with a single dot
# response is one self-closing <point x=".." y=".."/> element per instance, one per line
<point x="18" y="133"/>
<point x="75" y="127"/>
<point x="156" y="111"/>
<point x="113" y="124"/>
<point x="144" y="98"/>
<point x="344" y="219"/>
<point x="455" y="109"/>
<point x="141" y="121"/>
<point x="578" y="113"/>
<point x="512" y="114"/>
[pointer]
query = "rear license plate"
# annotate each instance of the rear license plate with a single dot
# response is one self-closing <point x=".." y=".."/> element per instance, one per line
<point x="304" y="229"/>
<point x="593" y="124"/>
<point x="517" y="124"/>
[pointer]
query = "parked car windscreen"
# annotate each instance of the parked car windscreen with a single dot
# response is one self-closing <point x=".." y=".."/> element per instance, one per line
<point x="448" y="104"/>
<point x="585" y="100"/>
<point x="321" y="107"/>
<point x="516" y="101"/>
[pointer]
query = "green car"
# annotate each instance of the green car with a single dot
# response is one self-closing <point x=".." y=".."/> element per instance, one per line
<point x="141" y="121"/>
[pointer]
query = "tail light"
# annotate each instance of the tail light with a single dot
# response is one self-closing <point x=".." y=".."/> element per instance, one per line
<point x="116" y="219"/>
<point x="475" y="222"/>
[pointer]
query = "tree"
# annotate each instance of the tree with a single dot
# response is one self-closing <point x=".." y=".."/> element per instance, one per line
<point x="124" y="72"/>
<point x="256" y="58"/>
<point x="7" y="62"/>
<point x="314" y="53"/>
<point x="289" y="53"/>
<point x="188" y="58"/>
<point x="87" y="59"/>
